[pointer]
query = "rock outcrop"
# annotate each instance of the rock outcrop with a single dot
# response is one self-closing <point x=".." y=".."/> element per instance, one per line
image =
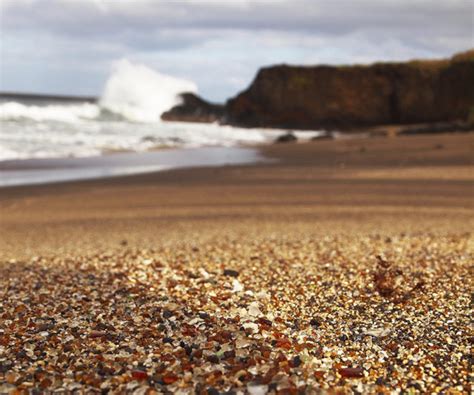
<point x="286" y="138"/>
<point x="352" y="97"/>
<point x="194" y="109"/>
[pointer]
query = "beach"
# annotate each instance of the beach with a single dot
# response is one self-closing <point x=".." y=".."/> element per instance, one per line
<point x="419" y="183"/>
<point x="334" y="264"/>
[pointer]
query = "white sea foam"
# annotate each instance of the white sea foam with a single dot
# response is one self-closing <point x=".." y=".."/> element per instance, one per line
<point x="141" y="94"/>
<point x="137" y="95"/>
<point x="70" y="113"/>
<point x="134" y="92"/>
<point x="19" y="140"/>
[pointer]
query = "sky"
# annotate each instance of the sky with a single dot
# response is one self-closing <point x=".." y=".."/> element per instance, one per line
<point x="70" y="46"/>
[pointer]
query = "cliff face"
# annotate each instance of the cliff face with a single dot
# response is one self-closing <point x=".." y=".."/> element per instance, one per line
<point x="350" y="97"/>
<point x="194" y="109"/>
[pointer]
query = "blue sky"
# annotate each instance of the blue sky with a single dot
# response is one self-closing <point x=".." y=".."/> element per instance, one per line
<point x="70" y="46"/>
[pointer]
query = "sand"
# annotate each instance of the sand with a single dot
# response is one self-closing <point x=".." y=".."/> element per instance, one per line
<point x="340" y="265"/>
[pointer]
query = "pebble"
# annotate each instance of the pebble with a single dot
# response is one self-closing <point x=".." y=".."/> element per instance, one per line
<point x="231" y="273"/>
<point x="311" y="318"/>
<point x="255" y="389"/>
<point x="351" y="372"/>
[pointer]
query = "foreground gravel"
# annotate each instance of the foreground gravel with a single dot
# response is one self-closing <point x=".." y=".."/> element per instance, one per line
<point x="359" y="314"/>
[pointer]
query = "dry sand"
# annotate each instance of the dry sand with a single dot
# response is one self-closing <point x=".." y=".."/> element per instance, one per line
<point x="344" y="265"/>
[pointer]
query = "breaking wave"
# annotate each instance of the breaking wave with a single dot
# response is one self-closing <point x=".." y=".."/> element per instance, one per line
<point x="125" y="118"/>
<point x="67" y="113"/>
<point x="141" y="94"/>
<point x="133" y="92"/>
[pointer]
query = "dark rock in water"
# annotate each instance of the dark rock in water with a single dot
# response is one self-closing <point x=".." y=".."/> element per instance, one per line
<point x="162" y="141"/>
<point x="194" y="109"/>
<point x="149" y="139"/>
<point x="286" y="138"/>
<point x="355" y="97"/>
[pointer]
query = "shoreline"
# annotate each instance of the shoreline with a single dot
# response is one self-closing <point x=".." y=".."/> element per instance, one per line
<point x="322" y="270"/>
<point x="124" y="163"/>
<point x="57" y="170"/>
<point x="328" y="181"/>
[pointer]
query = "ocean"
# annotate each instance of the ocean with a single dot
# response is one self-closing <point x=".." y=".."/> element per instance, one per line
<point x="45" y="128"/>
<point x="125" y="118"/>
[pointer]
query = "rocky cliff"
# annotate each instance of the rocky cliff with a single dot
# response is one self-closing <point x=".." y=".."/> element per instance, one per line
<point x="194" y="109"/>
<point x="351" y="97"/>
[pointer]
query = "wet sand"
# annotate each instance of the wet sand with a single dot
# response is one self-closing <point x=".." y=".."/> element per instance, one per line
<point x="348" y="262"/>
<point x="418" y="183"/>
<point x="53" y="170"/>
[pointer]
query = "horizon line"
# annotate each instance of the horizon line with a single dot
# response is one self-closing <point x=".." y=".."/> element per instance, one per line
<point x="46" y="96"/>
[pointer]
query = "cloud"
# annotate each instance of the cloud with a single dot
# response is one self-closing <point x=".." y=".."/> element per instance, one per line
<point x="90" y="17"/>
<point x="220" y="44"/>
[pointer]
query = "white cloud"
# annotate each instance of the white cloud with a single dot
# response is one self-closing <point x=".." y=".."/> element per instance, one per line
<point x="219" y="44"/>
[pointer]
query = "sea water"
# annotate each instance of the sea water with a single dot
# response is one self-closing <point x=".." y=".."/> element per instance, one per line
<point x="126" y="118"/>
<point x="40" y="171"/>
